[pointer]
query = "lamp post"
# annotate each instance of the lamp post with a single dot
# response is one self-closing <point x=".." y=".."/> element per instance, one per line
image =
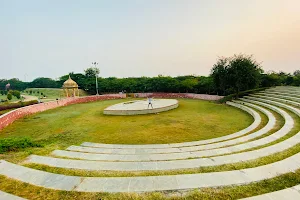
<point x="95" y="64"/>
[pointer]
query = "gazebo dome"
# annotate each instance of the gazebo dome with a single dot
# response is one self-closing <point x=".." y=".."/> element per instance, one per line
<point x="70" y="83"/>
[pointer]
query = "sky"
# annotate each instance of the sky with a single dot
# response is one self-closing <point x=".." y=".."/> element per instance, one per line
<point x="132" y="38"/>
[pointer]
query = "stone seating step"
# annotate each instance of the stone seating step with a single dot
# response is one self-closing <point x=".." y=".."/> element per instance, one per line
<point x="288" y="90"/>
<point x="289" y="122"/>
<point x="271" y="123"/>
<point x="282" y="93"/>
<point x="296" y="99"/>
<point x="7" y="196"/>
<point x="166" y="165"/>
<point x="292" y="193"/>
<point x="276" y="103"/>
<point x="277" y="99"/>
<point x="149" y="183"/>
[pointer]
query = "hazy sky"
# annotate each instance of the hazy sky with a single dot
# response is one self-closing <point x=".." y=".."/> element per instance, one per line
<point x="144" y="38"/>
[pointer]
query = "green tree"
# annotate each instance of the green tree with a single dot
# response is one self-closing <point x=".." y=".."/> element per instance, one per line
<point x="189" y="84"/>
<point x="236" y="73"/>
<point x="91" y="72"/>
<point x="43" y="82"/>
<point x="219" y="74"/>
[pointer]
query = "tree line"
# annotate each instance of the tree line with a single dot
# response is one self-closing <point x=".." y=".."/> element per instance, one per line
<point x="229" y="75"/>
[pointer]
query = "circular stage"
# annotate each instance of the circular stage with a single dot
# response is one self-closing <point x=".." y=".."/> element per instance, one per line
<point x="140" y="107"/>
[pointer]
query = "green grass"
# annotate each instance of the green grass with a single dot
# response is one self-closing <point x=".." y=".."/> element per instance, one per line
<point x="51" y="93"/>
<point x="5" y="111"/>
<point x="71" y="125"/>
<point x="4" y="97"/>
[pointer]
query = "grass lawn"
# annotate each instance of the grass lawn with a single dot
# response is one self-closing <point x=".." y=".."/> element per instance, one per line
<point x="72" y="125"/>
<point x="51" y="93"/>
<point x="4" y="97"/>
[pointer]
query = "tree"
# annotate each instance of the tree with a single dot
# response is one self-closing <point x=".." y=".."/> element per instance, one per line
<point x="244" y="73"/>
<point x="219" y="75"/>
<point x="43" y="82"/>
<point x="236" y="73"/>
<point x="297" y="73"/>
<point x="189" y="84"/>
<point x="91" y="72"/>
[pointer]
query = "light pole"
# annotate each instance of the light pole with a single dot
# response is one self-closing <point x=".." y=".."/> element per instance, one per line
<point x="95" y="64"/>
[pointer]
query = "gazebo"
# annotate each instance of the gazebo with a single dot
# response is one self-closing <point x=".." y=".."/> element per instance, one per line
<point x="70" y="88"/>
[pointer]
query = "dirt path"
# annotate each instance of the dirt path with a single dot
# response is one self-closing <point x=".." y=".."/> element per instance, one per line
<point x="29" y="98"/>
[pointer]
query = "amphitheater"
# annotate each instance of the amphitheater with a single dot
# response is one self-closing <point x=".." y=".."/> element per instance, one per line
<point x="245" y="146"/>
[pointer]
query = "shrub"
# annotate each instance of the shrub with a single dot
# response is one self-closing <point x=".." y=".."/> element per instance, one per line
<point x="17" y="105"/>
<point x="9" y="96"/>
<point x="15" y="144"/>
<point x="16" y="93"/>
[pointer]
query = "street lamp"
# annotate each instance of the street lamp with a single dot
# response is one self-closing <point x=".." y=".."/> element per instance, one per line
<point x="95" y="64"/>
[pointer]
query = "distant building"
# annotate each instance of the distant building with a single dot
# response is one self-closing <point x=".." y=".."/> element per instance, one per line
<point x="70" y="88"/>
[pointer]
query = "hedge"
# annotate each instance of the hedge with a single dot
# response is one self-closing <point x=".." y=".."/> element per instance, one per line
<point x="241" y="94"/>
<point x="6" y="106"/>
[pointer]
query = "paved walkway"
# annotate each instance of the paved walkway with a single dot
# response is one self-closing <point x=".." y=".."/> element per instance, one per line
<point x="6" y="196"/>
<point x="292" y="193"/>
<point x="148" y="183"/>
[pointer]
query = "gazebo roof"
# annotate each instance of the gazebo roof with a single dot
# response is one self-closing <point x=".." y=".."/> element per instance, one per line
<point x="70" y="83"/>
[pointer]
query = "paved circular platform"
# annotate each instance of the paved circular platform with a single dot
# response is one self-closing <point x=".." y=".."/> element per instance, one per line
<point x="140" y="107"/>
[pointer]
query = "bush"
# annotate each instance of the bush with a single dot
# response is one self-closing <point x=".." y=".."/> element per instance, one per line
<point x="241" y="94"/>
<point x="9" y="96"/>
<point x="15" y="144"/>
<point x="17" y="105"/>
<point x="16" y="93"/>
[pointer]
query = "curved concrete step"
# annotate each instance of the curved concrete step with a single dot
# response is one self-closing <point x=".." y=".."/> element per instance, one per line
<point x="271" y="123"/>
<point x="7" y="196"/>
<point x="282" y="93"/>
<point x="277" y="99"/>
<point x="296" y="99"/>
<point x="149" y="183"/>
<point x="289" y="123"/>
<point x="166" y="165"/>
<point x="285" y="91"/>
<point x="290" y="108"/>
<point x="255" y="124"/>
<point x="292" y="193"/>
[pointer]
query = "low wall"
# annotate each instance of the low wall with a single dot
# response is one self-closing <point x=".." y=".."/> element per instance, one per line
<point x="180" y="95"/>
<point x="13" y="115"/>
